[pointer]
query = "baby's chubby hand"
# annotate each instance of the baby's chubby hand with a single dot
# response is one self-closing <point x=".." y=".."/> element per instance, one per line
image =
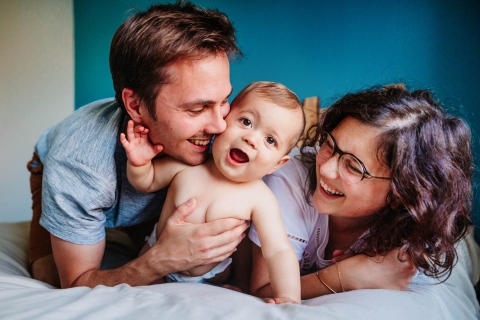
<point x="281" y="300"/>
<point x="140" y="151"/>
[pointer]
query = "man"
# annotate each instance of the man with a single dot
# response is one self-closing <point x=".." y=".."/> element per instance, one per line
<point x="170" y="71"/>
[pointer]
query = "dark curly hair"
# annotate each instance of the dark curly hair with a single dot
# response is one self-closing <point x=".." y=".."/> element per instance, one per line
<point x="148" y="42"/>
<point x="430" y="158"/>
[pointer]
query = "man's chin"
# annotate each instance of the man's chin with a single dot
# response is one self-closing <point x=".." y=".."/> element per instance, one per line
<point x="193" y="159"/>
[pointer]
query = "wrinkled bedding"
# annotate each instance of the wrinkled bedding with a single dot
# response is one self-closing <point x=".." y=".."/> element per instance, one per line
<point x="24" y="298"/>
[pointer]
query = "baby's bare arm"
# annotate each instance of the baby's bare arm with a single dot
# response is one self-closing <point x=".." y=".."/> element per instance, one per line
<point x="156" y="175"/>
<point x="280" y="258"/>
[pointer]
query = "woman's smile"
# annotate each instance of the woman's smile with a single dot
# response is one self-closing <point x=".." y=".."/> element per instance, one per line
<point x="334" y="196"/>
<point x="329" y="190"/>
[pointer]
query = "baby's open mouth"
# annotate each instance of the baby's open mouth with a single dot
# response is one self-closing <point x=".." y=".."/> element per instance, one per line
<point x="238" y="156"/>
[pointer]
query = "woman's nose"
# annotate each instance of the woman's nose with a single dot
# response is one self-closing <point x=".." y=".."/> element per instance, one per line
<point x="329" y="168"/>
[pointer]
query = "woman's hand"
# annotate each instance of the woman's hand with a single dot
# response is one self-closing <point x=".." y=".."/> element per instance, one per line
<point x="393" y="271"/>
<point x="360" y="272"/>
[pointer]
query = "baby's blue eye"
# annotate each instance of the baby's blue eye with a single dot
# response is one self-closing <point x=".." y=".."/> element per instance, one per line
<point x="246" y="122"/>
<point x="270" y="140"/>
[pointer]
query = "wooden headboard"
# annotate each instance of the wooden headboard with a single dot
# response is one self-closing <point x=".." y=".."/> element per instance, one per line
<point x="311" y="107"/>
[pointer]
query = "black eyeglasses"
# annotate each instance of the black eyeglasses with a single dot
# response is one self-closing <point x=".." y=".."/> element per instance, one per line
<point x="350" y="168"/>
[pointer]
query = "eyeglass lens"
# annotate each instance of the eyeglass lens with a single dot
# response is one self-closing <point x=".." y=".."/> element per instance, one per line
<point x="349" y="167"/>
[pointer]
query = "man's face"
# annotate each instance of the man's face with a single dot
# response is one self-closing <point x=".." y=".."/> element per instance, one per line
<point x="191" y="108"/>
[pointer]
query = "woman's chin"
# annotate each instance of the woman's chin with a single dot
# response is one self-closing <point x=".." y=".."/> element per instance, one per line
<point x="327" y="203"/>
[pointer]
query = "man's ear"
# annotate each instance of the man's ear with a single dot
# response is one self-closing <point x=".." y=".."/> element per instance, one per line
<point x="132" y="105"/>
<point x="280" y="163"/>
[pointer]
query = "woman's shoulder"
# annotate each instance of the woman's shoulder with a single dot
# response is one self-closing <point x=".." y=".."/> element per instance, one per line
<point x="295" y="171"/>
<point x="289" y="185"/>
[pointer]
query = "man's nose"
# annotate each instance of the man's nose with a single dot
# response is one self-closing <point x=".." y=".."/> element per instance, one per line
<point x="217" y="123"/>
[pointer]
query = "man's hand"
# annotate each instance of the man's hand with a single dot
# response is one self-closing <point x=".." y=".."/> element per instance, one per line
<point x="140" y="150"/>
<point x="183" y="246"/>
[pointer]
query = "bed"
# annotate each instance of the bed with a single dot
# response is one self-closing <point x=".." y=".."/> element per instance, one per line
<point x="22" y="297"/>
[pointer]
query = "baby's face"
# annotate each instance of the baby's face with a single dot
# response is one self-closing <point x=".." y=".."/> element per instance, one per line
<point x="259" y="134"/>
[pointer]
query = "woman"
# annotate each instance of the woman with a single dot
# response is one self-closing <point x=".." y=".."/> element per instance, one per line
<point x="385" y="173"/>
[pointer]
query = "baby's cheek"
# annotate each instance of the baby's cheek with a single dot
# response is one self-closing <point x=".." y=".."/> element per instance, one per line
<point x="225" y="110"/>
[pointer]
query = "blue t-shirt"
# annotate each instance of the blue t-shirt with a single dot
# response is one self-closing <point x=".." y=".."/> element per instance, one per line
<point x="85" y="187"/>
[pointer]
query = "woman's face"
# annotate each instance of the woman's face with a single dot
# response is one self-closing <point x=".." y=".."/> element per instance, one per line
<point x="335" y="197"/>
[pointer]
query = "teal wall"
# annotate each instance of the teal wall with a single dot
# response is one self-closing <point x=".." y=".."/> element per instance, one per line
<point x="323" y="48"/>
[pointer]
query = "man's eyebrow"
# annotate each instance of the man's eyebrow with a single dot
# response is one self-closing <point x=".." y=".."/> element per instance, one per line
<point x="202" y="102"/>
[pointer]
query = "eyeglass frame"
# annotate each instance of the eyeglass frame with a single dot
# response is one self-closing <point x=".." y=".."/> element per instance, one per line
<point x="341" y="153"/>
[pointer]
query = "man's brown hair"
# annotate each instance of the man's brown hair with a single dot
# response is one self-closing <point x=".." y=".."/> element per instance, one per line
<point x="148" y="42"/>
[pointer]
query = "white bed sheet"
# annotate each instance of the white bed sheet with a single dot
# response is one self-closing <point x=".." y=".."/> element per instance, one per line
<point x="24" y="298"/>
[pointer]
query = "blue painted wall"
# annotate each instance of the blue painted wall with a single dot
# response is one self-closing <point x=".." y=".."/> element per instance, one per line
<point x="323" y="48"/>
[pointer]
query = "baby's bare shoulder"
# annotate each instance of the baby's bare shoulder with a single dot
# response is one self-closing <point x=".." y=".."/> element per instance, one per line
<point x="262" y="186"/>
<point x="262" y="194"/>
<point x="193" y="174"/>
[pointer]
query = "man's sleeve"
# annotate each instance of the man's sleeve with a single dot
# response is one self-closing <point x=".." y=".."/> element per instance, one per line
<point x="73" y="199"/>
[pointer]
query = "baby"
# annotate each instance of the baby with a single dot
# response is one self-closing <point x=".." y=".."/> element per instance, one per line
<point x="265" y="122"/>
